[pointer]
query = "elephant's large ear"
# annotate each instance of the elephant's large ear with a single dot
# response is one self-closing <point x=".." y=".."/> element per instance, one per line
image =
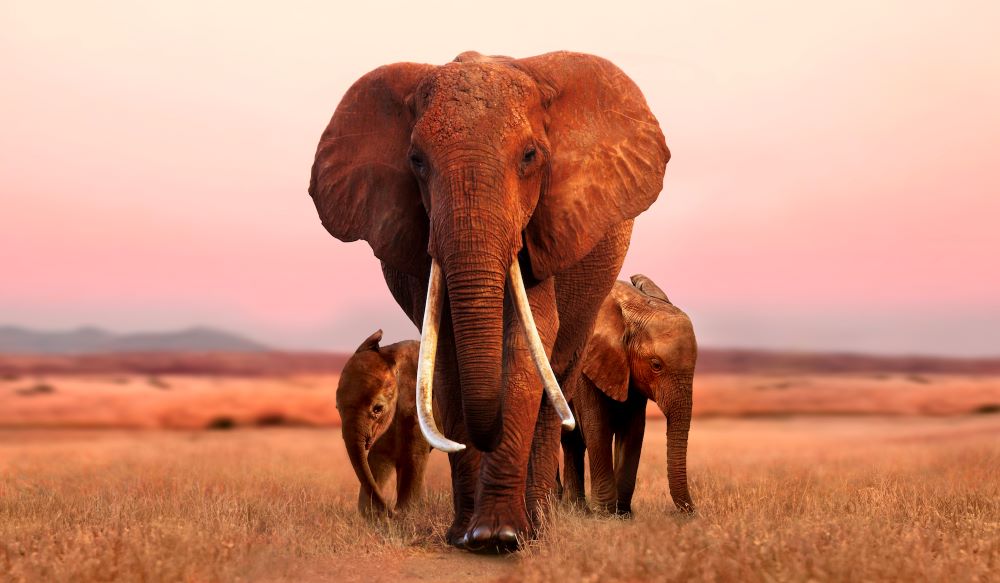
<point x="607" y="156"/>
<point x="604" y="360"/>
<point x="361" y="183"/>
<point x="648" y="287"/>
<point x="370" y="343"/>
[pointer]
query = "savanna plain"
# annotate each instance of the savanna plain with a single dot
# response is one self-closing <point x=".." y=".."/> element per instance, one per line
<point x="892" y="487"/>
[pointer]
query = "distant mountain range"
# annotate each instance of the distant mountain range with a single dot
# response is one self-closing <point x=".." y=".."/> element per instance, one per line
<point x="91" y="340"/>
<point x="202" y="350"/>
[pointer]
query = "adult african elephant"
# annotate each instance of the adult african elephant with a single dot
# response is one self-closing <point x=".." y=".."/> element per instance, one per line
<point x="498" y="194"/>
<point x="643" y="348"/>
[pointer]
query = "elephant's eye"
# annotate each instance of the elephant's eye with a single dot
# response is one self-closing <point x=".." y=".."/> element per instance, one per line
<point x="377" y="409"/>
<point x="417" y="162"/>
<point x="656" y="364"/>
<point x="529" y="155"/>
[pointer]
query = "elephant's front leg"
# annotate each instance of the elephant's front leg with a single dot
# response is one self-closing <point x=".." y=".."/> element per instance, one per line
<point x="597" y="427"/>
<point x="573" y="470"/>
<point x="501" y="518"/>
<point x="410" y="468"/>
<point x="466" y="463"/>
<point x="543" y="463"/>
<point x="628" y="449"/>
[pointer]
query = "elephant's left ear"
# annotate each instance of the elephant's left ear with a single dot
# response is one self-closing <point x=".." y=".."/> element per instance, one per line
<point x="604" y="360"/>
<point x="607" y="156"/>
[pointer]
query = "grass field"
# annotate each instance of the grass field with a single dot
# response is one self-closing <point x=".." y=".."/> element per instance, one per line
<point x="792" y="499"/>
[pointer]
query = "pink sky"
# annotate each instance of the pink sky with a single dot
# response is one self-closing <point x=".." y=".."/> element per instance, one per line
<point x="834" y="181"/>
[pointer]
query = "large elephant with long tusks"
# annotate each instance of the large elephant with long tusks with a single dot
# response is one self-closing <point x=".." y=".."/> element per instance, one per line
<point x="499" y="195"/>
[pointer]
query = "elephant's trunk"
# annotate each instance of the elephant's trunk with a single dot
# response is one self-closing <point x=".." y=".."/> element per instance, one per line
<point x="476" y="297"/>
<point x="677" y="409"/>
<point x="475" y="239"/>
<point x="371" y="500"/>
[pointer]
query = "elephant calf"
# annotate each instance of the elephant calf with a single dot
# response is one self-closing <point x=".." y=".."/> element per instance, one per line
<point x="376" y="398"/>
<point x="643" y="347"/>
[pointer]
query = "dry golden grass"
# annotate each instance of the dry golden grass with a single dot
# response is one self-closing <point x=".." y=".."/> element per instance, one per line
<point x="802" y="500"/>
<point x="841" y="499"/>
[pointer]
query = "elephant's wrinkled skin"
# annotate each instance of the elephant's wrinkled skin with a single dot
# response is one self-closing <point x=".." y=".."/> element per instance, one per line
<point x="643" y="348"/>
<point x="375" y="399"/>
<point x="473" y="165"/>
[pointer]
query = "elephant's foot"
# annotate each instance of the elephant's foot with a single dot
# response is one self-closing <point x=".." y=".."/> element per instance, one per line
<point x="372" y="506"/>
<point x="575" y="502"/>
<point x="373" y="512"/>
<point x="402" y="511"/>
<point x="624" y="511"/>
<point x="497" y="528"/>
<point x="456" y="532"/>
<point x="605" y="508"/>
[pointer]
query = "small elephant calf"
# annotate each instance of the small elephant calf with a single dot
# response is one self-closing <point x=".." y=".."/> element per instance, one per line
<point x="376" y="399"/>
<point x="643" y="347"/>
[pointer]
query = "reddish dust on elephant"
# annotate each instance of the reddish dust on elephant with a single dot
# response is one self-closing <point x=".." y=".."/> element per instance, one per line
<point x="498" y="194"/>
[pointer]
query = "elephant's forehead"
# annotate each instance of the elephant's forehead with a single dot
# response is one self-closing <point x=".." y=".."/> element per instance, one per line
<point x="363" y="375"/>
<point x="461" y="101"/>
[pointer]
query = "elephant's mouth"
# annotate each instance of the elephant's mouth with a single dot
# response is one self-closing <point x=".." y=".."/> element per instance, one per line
<point x="428" y="352"/>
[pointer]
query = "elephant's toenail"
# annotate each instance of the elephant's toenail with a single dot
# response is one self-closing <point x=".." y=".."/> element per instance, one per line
<point x="476" y="539"/>
<point x="507" y="535"/>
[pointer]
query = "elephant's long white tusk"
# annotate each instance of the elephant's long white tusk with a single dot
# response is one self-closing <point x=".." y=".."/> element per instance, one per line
<point x="425" y="364"/>
<point x="537" y="349"/>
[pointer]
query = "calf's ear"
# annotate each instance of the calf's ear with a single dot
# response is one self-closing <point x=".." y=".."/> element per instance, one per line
<point x="604" y="360"/>
<point x="370" y="343"/>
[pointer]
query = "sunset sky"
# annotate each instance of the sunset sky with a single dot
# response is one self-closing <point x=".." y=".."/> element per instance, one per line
<point x="835" y="180"/>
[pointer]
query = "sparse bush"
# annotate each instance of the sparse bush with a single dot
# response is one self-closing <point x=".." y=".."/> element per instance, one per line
<point x="272" y="420"/>
<point x="222" y="422"/>
<point x="158" y="383"/>
<point x="38" y="389"/>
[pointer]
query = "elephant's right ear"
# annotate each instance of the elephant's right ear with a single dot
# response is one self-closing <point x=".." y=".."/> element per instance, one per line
<point x="648" y="287"/>
<point x="604" y="360"/>
<point x="370" y="343"/>
<point x="361" y="183"/>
